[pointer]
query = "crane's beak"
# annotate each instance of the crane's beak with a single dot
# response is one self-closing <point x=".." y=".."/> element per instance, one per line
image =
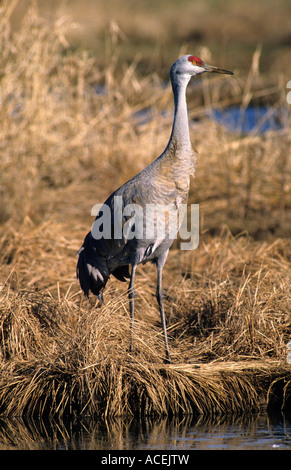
<point x="210" y="68"/>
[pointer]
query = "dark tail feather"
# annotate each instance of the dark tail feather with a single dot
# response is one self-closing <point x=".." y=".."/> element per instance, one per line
<point x="91" y="270"/>
<point x="121" y="273"/>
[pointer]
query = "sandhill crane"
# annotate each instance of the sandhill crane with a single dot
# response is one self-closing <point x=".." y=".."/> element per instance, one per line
<point x="164" y="182"/>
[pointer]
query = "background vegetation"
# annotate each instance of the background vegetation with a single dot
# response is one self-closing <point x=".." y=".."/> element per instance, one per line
<point x="76" y="79"/>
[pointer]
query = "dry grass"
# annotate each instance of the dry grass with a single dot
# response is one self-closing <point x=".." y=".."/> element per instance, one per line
<point x="155" y="30"/>
<point x="64" y="147"/>
<point x="59" y="358"/>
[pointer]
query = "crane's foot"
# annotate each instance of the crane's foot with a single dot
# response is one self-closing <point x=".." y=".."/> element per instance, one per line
<point x="100" y="298"/>
<point x="168" y="361"/>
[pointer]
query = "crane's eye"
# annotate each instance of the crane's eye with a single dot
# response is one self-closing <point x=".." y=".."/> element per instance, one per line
<point x="195" y="60"/>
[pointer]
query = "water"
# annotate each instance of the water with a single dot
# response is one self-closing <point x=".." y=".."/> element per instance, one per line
<point x="252" y="120"/>
<point x="261" y="432"/>
<point x="255" y="119"/>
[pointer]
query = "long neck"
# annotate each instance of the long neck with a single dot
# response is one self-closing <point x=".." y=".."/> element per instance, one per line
<point x="180" y="131"/>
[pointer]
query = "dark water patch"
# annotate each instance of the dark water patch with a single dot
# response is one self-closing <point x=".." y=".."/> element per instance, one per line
<point x="252" y="120"/>
<point x="251" y="432"/>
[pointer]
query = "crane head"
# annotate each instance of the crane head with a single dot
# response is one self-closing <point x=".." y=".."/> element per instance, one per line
<point x="190" y="65"/>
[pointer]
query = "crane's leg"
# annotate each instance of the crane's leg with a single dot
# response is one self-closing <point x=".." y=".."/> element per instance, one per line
<point x="131" y="296"/>
<point x="160" y="299"/>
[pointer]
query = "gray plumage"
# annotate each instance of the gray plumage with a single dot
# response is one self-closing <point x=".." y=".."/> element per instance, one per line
<point x="165" y="182"/>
